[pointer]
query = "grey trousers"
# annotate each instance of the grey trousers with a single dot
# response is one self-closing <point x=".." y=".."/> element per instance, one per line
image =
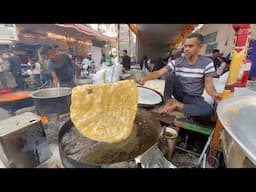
<point x="19" y="80"/>
<point x="3" y="80"/>
<point x="193" y="105"/>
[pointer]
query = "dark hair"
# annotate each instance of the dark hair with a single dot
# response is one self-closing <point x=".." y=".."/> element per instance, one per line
<point x="34" y="59"/>
<point x="44" y="49"/>
<point x="215" y="51"/>
<point x="125" y="50"/>
<point x="200" y="38"/>
<point x="55" y="46"/>
<point x="223" y="58"/>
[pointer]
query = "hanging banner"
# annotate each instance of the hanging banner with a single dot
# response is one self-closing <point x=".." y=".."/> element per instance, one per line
<point x="184" y="33"/>
<point x="135" y="30"/>
<point x="210" y="48"/>
<point x="88" y="31"/>
<point x="8" y="33"/>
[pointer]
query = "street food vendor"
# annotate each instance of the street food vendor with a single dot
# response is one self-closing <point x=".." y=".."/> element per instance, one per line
<point x="186" y="82"/>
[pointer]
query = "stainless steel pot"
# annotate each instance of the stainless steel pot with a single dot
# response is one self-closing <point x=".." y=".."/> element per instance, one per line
<point x="83" y="81"/>
<point x="52" y="100"/>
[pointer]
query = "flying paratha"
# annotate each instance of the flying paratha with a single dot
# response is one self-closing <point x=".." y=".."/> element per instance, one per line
<point x="105" y="112"/>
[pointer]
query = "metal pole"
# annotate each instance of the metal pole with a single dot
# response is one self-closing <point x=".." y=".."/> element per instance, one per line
<point x="118" y="41"/>
<point x="129" y="34"/>
<point x="186" y="150"/>
<point x="205" y="148"/>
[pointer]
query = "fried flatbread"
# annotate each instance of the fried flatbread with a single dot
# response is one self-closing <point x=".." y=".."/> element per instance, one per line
<point x="105" y="112"/>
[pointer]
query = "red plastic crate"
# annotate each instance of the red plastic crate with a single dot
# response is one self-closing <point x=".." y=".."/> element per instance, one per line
<point x="5" y="91"/>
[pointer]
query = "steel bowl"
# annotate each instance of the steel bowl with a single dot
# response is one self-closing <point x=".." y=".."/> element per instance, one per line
<point x="52" y="100"/>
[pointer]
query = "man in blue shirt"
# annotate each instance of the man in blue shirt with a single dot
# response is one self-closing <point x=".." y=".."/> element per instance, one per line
<point x="58" y="64"/>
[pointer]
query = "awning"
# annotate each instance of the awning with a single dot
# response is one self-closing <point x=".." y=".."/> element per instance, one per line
<point x="88" y="31"/>
<point x="155" y="34"/>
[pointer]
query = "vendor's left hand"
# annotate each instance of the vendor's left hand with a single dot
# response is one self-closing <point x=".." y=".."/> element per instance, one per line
<point x="217" y="97"/>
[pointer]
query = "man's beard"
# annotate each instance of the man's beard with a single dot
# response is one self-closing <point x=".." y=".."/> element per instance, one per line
<point x="188" y="55"/>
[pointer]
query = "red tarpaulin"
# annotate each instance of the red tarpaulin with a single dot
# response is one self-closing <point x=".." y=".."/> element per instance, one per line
<point x="88" y="31"/>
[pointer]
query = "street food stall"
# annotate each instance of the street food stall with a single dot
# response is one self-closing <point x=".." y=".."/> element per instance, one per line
<point x="105" y="126"/>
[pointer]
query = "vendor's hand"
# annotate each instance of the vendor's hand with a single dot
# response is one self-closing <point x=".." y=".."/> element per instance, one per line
<point x="55" y="82"/>
<point x="142" y="81"/>
<point x="217" y="97"/>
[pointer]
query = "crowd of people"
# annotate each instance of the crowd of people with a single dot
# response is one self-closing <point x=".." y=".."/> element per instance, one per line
<point x="221" y="63"/>
<point x="52" y="66"/>
<point x="186" y="75"/>
<point x="49" y="67"/>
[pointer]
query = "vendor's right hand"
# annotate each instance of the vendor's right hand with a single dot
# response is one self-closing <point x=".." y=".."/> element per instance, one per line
<point x="142" y="81"/>
<point x="167" y="107"/>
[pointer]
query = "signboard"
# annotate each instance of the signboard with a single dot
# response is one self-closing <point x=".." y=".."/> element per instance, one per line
<point x="211" y="37"/>
<point x="96" y="56"/>
<point x="210" y="48"/>
<point x="8" y="33"/>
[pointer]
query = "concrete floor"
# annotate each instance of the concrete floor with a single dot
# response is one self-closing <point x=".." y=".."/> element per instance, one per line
<point x="3" y="114"/>
<point x="53" y="162"/>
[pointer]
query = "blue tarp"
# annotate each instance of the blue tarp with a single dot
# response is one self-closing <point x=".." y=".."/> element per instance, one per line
<point x="252" y="56"/>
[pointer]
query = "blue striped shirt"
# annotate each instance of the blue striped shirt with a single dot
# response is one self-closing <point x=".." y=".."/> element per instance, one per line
<point x="192" y="76"/>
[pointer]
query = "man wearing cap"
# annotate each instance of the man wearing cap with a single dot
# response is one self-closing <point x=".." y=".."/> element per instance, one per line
<point x="87" y="65"/>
